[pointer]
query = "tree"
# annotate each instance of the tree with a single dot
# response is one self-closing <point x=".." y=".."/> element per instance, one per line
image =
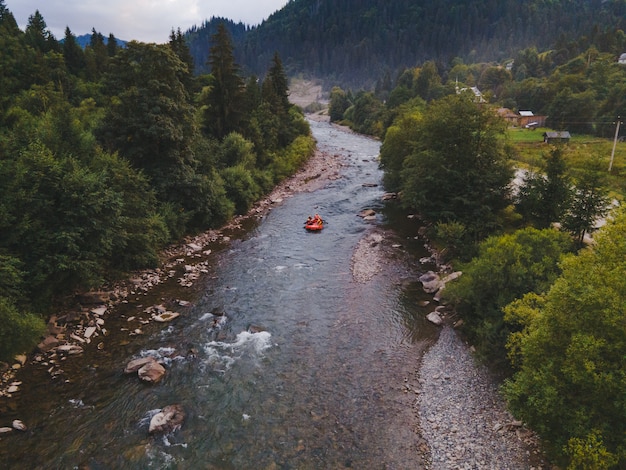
<point x="150" y="120"/>
<point x="339" y="103"/>
<point x="96" y="56"/>
<point x="506" y="268"/>
<point x="399" y="141"/>
<point x="544" y="197"/>
<point x="73" y="53"/>
<point x="224" y="100"/>
<point x="570" y="354"/>
<point x="181" y="49"/>
<point x="112" y="46"/>
<point x="458" y="169"/>
<point x="589" y="201"/>
<point x="38" y="36"/>
<point x="275" y="92"/>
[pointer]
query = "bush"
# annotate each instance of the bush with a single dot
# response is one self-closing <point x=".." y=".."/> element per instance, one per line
<point x="19" y="331"/>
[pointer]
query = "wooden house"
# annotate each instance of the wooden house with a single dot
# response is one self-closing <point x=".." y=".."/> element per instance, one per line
<point x="556" y="137"/>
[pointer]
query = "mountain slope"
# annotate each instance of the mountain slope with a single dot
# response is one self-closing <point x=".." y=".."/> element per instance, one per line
<point x="356" y="41"/>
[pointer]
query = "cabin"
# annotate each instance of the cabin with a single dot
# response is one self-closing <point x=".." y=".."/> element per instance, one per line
<point x="556" y="137"/>
<point x="622" y="59"/>
<point x="529" y="120"/>
<point x="522" y="119"/>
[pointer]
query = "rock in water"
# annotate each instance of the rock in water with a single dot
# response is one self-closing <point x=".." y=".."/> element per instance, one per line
<point x="17" y="424"/>
<point x="169" y="419"/>
<point x="151" y="372"/>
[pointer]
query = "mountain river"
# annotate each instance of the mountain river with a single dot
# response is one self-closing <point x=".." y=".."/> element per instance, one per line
<point x="285" y="360"/>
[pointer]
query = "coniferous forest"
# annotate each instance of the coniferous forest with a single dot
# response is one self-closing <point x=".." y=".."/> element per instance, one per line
<point x="352" y="42"/>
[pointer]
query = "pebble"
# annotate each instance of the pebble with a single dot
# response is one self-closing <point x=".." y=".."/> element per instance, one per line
<point x="462" y="416"/>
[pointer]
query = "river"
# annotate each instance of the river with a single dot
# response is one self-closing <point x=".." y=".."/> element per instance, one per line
<point x="284" y="361"/>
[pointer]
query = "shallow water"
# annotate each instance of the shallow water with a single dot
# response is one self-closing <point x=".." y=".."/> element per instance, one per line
<point x="318" y="382"/>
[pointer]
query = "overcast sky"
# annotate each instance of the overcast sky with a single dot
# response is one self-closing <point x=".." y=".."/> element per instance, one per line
<point x="143" y="20"/>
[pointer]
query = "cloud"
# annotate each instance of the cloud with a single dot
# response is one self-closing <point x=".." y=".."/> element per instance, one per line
<point x="144" y="20"/>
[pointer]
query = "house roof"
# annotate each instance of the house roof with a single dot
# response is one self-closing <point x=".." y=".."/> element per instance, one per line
<point x="526" y="113"/>
<point x="557" y="135"/>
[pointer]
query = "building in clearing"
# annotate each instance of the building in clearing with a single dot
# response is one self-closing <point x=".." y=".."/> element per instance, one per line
<point x="556" y="137"/>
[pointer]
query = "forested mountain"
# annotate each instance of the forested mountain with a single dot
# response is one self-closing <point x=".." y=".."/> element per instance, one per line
<point x="353" y="41"/>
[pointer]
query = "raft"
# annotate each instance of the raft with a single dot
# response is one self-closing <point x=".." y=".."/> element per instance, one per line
<point x="314" y="225"/>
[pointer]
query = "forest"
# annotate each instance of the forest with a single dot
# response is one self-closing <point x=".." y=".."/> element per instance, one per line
<point x="108" y="154"/>
<point x="351" y="42"/>
<point x="542" y="302"/>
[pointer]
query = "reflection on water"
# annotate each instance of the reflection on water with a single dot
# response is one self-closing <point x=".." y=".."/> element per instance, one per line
<point x="284" y="363"/>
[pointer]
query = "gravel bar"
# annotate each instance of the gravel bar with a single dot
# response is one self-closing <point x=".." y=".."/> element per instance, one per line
<point x="462" y="416"/>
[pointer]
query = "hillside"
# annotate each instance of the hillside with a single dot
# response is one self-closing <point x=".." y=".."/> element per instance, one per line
<point x="353" y="42"/>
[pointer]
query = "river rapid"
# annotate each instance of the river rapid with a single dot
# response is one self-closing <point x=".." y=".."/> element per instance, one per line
<point x="284" y="360"/>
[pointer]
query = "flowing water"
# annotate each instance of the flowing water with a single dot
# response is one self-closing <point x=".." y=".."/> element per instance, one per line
<point x="284" y="361"/>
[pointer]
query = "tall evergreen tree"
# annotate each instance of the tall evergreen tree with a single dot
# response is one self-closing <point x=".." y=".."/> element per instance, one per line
<point x="278" y="84"/>
<point x="181" y="49"/>
<point x="112" y="46"/>
<point x="73" y="53"/>
<point x="96" y="55"/>
<point x="225" y="98"/>
<point x="38" y="36"/>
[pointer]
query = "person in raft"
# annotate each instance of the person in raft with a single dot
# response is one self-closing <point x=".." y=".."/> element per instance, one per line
<point x="317" y="219"/>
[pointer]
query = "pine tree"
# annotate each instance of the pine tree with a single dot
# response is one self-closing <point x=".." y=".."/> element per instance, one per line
<point x="225" y="99"/>
<point x="38" y="36"/>
<point x="73" y="53"/>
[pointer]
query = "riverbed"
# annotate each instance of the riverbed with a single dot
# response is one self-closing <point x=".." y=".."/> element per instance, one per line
<point x="297" y="350"/>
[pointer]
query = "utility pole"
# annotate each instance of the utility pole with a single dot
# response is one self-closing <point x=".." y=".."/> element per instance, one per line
<point x="614" y="143"/>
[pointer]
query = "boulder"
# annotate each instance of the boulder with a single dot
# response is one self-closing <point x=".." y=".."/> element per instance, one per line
<point x="431" y="282"/>
<point x="367" y="213"/>
<point x="136" y="364"/>
<point x="17" y="424"/>
<point x="169" y="419"/>
<point x="165" y="316"/>
<point x="69" y="349"/>
<point x="435" y="318"/>
<point x="151" y="372"/>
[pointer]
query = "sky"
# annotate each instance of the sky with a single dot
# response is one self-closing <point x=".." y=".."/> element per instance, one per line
<point x="143" y="20"/>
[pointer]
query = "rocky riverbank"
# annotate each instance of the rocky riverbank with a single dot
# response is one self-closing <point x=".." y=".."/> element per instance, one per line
<point x="83" y="323"/>
<point x="461" y="416"/>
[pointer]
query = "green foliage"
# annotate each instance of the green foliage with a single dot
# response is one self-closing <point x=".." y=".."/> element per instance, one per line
<point x="544" y="197"/>
<point x="240" y="187"/>
<point x="353" y="42"/>
<point x="364" y="116"/>
<point x="225" y="97"/>
<point x="19" y="331"/>
<point x="458" y="169"/>
<point x="400" y="139"/>
<point x="506" y="268"/>
<point x="589" y="453"/>
<point x="339" y="103"/>
<point x="590" y="201"/>
<point x="570" y="383"/>
<point x="235" y="150"/>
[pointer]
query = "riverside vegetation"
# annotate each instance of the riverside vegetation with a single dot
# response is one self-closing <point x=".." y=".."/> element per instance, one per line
<point x="109" y="154"/>
<point x="543" y="307"/>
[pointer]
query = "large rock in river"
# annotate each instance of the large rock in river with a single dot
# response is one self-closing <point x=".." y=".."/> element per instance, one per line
<point x="151" y="372"/>
<point x="169" y="419"/>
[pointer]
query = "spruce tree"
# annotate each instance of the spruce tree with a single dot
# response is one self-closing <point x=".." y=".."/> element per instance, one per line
<point x="225" y="99"/>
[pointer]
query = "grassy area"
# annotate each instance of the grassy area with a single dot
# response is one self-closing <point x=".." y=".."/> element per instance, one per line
<point x="530" y="148"/>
